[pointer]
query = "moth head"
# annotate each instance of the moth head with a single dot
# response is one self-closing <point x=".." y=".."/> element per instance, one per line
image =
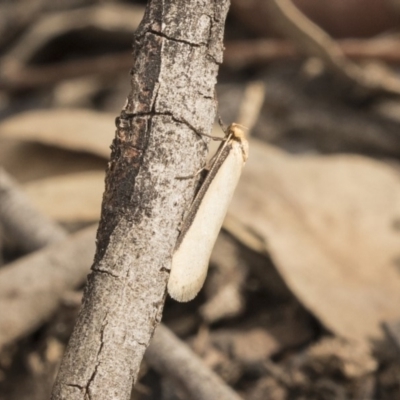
<point x="237" y="133"/>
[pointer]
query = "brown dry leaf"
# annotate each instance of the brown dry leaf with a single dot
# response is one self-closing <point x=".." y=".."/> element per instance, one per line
<point x="332" y="355"/>
<point x="224" y="285"/>
<point x="28" y="161"/>
<point x="69" y="198"/>
<point x="79" y="130"/>
<point x="331" y="225"/>
<point x="250" y="346"/>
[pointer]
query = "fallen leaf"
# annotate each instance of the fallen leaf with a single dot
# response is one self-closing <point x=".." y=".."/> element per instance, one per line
<point x="79" y="130"/>
<point x="69" y="198"/>
<point x="332" y="227"/>
<point x="223" y="291"/>
<point x="333" y="355"/>
<point x="28" y="161"/>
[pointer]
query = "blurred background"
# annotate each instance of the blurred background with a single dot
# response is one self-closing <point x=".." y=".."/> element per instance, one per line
<point x="303" y="296"/>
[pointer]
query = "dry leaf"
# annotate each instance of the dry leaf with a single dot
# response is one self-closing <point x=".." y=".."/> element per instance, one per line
<point x="333" y="355"/>
<point x="27" y="161"/>
<point x="79" y="130"/>
<point x="224" y="284"/>
<point x="332" y="227"/>
<point x="69" y="198"/>
<point x="249" y="347"/>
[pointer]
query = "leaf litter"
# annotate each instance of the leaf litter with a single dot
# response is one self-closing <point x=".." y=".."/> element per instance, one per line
<point x="302" y="278"/>
<point x="329" y="224"/>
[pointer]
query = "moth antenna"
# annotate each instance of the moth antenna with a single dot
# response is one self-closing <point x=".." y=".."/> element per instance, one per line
<point x="221" y="124"/>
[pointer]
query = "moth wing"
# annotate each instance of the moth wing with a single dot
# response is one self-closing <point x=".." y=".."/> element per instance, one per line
<point x="190" y="260"/>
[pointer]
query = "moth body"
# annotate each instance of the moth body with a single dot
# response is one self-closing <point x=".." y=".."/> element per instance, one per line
<point x="205" y="217"/>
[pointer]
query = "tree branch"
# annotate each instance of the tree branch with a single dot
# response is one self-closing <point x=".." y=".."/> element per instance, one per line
<point x="178" y="49"/>
<point x="32" y="287"/>
<point x="168" y="355"/>
<point x="294" y="24"/>
<point x="61" y="267"/>
<point x="30" y="229"/>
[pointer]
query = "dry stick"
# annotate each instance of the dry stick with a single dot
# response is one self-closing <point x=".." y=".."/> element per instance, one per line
<point x="238" y="54"/>
<point x="116" y="17"/>
<point x="245" y="53"/>
<point x="64" y="266"/>
<point x="294" y="24"/>
<point x="20" y="220"/>
<point x="168" y="355"/>
<point x="28" y="77"/>
<point x="177" y="52"/>
<point x="32" y="288"/>
<point x="21" y="14"/>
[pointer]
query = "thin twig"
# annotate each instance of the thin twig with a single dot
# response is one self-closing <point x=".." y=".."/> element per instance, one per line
<point x="246" y="53"/>
<point x="294" y="24"/>
<point x="238" y="54"/>
<point x="30" y="77"/>
<point x="170" y="356"/>
<point x="20" y="220"/>
<point x="62" y="267"/>
<point x="32" y="287"/>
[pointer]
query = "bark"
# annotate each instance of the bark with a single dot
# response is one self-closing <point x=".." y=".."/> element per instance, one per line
<point x="177" y="52"/>
<point x="59" y="268"/>
<point x="62" y="267"/>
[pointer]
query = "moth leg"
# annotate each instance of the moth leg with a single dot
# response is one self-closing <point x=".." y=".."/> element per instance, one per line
<point x="205" y="168"/>
<point x="219" y="138"/>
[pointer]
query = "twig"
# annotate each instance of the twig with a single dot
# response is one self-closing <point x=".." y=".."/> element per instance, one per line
<point x="238" y="54"/>
<point x="178" y="49"/>
<point x="245" y="53"/>
<point x="28" y="77"/>
<point x="32" y="287"/>
<point x="15" y="16"/>
<point x="62" y="267"/>
<point x="30" y="229"/>
<point x="250" y="107"/>
<point x="168" y="355"/>
<point x="107" y="17"/>
<point x="318" y="43"/>
<point x="112" y="18"/>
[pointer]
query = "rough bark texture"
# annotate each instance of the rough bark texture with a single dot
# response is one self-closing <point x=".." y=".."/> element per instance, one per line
<point x="178" y="48"/>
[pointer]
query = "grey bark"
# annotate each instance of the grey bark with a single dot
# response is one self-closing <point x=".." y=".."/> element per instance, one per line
<point x="32" y="287"/>
<point x="178" y="48"/>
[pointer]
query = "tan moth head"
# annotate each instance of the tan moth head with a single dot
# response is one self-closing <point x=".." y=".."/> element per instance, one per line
<point x="237" y="132"/>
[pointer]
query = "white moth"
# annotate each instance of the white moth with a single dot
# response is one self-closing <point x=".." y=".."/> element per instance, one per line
<point x="205" y="217"/>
